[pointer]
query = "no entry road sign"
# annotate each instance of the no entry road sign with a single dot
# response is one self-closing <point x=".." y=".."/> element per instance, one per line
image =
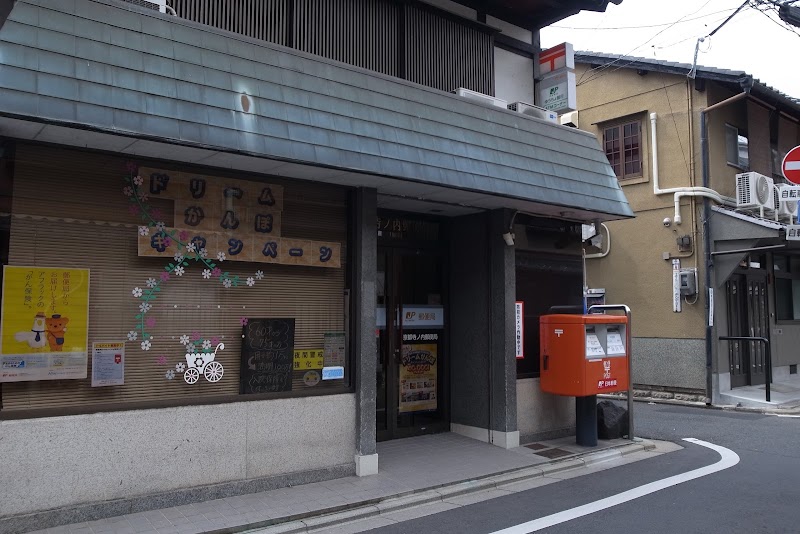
<point x="791" y="165"/>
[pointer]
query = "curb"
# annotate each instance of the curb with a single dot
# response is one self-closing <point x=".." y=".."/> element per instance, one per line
<point x="792" y="410"/>
<point x="328" y="517"/>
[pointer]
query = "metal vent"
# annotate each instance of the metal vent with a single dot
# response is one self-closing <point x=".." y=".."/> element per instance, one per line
<point x="155" y="5"/>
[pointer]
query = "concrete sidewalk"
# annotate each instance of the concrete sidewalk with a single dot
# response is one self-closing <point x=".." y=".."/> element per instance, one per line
<point x="413" y="472"/>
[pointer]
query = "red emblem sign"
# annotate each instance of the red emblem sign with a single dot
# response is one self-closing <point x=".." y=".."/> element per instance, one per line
<point x="791" y="165"/>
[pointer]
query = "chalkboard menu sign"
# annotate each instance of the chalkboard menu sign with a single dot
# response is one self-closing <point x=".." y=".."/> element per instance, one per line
<point x="267" y="356"/>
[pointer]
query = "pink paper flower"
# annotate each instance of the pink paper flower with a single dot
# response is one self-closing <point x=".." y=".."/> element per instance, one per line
<point x="184" y="235"/>
<point x="214" y="341"/>
<point x="162" y="360"/>
<point x="243" y="320"/>
<point x="150" y="322"/>
<point x="216" y="272"/>
<point x="164" y="276"/>
<point x="196" y="335"/>
<point x="131" y="167"/>
<point x="133" y="209"/>
<point x="167" y="241"/>
<point x="155" y="213"/>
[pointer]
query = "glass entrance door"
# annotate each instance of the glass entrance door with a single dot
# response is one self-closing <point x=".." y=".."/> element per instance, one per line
<point x="411" y="377"/>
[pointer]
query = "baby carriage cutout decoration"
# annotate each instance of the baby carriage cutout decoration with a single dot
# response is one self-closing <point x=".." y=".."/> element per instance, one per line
<point x="202" y="363"/>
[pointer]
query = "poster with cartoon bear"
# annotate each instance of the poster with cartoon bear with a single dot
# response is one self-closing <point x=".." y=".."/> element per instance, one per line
<point x="44" y="326"/>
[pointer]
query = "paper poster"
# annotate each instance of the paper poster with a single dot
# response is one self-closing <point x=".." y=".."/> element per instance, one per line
<point x="334" y="349"/>
<point x="615" y="345"/>
<point x="593" y="346"/>
<point x="44" y="327"/>
<point x="108" y="364"/>
<point x="418" y="366"/>
<point x="305" y="359"/>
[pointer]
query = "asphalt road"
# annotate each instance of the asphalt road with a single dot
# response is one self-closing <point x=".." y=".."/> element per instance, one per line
<point x="759" y="494"/>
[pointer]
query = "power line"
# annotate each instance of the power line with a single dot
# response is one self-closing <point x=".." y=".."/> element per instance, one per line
<point x="597" y="73"/>
<point x="641" y="27"/>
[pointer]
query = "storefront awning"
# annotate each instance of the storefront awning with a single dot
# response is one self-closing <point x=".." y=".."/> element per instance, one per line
<point x="153" y="85"/>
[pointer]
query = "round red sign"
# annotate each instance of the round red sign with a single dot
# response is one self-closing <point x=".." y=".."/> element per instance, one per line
<point x="791" y="165"/>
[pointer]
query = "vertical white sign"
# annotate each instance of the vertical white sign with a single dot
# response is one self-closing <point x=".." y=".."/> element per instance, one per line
<point x="519" y="315"/>
<point x="676" y="285"/>
<point x="710" y="306"/>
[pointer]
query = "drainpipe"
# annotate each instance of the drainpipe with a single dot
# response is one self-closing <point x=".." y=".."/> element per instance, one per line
<point x="707" y="253"/>
<point x="678" y="192"/>
<point x="707" y="234"/>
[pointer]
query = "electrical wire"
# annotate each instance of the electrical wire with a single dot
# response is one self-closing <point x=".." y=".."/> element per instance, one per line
<point x="598" y="73"/>
<point x="641" y="27"/>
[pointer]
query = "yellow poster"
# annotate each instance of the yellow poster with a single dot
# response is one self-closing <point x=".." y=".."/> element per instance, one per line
<point x="418" y="377"/>
<point x="44" y="326"/>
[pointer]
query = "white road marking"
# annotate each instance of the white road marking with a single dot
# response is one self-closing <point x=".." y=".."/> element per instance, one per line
<point x="785" y="415"/>
<point x="728" y="459"/>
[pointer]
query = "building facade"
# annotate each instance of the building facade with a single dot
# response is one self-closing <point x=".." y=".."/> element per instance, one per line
<point x="241" y="246"/>
<point x="691" y="217"/>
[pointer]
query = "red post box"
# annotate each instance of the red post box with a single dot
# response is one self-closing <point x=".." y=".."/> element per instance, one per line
<point x="583" y="355"/>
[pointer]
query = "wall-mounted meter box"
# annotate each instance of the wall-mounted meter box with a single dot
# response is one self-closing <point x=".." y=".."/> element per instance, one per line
<point x="688" y="280"/>
<point x="583" y="355"/>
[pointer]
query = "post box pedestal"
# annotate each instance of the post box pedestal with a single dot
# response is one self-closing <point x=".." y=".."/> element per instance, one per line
<point x="586" y="421"/>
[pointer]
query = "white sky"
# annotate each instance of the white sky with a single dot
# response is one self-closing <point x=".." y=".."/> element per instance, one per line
<point x="750" y="41"/>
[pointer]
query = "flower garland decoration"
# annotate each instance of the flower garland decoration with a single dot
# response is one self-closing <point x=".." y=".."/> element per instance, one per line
<point x="189" y="252"/>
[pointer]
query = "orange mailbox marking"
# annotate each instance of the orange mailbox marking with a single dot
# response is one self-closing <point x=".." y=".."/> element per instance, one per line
<point x="578" y="362"/>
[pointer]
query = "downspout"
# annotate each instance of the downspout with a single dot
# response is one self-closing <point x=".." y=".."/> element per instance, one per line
<point x="707" y="250"/>
<point x="709" y="263"/>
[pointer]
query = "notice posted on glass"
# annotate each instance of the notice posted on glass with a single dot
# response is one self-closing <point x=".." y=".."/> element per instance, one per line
<point x="108" y="364"/>
<point x="418" y="375"/>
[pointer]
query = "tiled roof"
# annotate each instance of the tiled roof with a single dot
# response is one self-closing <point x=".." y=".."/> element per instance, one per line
<point x="711" y="73"/>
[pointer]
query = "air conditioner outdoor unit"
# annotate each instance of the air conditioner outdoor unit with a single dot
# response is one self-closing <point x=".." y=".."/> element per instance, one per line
<point x="787" y="209"/>
<point x="482" y="98"/>
<point x="754" y="190"/>
<point x="569" y="119"/>
<point x="534" y="111"/>
<point x="159" y="5"/>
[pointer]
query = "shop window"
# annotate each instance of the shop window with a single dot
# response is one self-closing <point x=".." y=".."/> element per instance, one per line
<point x="136" y="284"/>
<point x="786" y="270"/>
<point x="623" y="147"/>
<point x="737" y="147"/>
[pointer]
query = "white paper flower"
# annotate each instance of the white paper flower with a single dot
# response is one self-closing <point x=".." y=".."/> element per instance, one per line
<point x="178" y="257"/>
<point x="206" y="274"/>
<point x="170" y="375"/>
<point x="136" y="292"/>
<point x="206" y="344"/>
<point x="179" y="271"/>
<point x="151" y="283"/>
<point x="180" y="367"/>
<point x="259" y="275"/>
<point x="145" y="307"/>
<point x="203" y="253"/>
<point x="191" y="247"/>
<point x="144" y="230"/>
<point x="146" y="344"/>
<point x="142" y="196"/>
<point x="160" y="226"/>
<point x="250" y="281"/>
<point x="227" y="282"/>
<point x="221" y="256"/>
<point x="127" y="191"/>
<point x="184" y="339"/>
<point x="132" y="335"/>
<point x="138" y="180"/>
